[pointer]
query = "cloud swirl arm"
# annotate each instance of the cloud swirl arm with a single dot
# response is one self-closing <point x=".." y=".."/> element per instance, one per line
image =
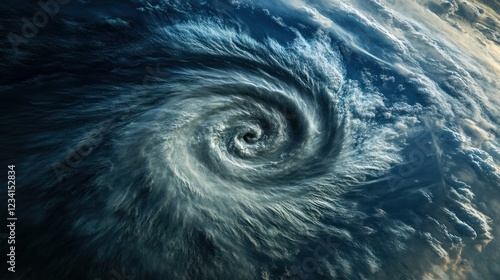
<point x="256" y="139"/>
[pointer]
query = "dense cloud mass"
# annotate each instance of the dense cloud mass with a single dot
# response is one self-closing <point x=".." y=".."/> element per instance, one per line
<point x="253" y="139"/>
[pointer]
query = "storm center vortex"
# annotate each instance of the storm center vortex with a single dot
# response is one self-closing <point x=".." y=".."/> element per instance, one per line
<point x="268" y="140"/>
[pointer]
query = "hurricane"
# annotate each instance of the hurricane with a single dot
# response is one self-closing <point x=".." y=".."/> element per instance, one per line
<point x="165" y="139"/>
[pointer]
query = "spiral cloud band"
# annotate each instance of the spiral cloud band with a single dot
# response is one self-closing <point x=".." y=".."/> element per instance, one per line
<point x="256" y="139"/>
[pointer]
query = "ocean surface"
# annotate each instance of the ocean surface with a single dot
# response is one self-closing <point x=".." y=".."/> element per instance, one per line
<point x="283" y="139"/>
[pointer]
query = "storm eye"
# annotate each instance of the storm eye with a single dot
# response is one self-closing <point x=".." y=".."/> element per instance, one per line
<point x="250" y="138"/>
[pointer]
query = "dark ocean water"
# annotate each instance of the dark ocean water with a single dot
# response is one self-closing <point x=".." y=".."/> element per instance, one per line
<point x="252" y="139"/>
